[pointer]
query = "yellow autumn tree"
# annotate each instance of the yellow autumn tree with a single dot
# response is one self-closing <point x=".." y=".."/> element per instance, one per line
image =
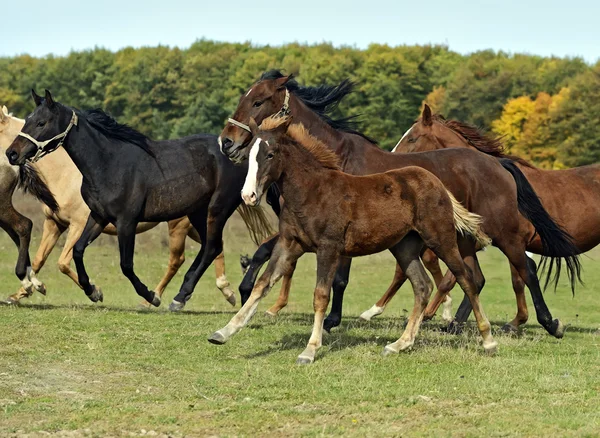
<point x="435" y="99"/>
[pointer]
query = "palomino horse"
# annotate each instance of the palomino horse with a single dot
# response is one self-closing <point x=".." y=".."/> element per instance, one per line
<point x="14" y="223"/>
<point x="330" y="213"/>
<point x="64" y="179"/>
<point x="561" y="193"/>
<point x="499" y="201"/>
<point x="149" y="182"/>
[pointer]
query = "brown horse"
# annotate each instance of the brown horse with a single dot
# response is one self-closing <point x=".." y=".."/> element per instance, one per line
<point x="562" y="192"/>
<point x="460" y="170"/>
<point x="330" y="213"/>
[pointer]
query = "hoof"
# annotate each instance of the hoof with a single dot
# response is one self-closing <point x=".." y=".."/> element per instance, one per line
<point x="558" y="328"/>
<point x="388" y="351"/>
<point x="231" y="299"/>
<point x="156" y="300"/>
<point x="454" y="328"/>
<point x="510" y="329"/>
<point x="303" y="360"/>
<point x="217" y="338"/>
<point x="490" y="349"/>
<point x="176" y="306"/>
<point x="41" y="289"/>
<point x="270" y="314"/>
<point x="11" y="301"/>
<point x="144" y="305"/>
<point x="330" y="323"/>
<point x="427" y="317"/>
<point x="374" y="311"/>
<point x="96" y="295"/>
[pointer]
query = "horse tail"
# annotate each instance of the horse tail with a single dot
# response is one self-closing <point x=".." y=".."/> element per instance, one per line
<point x="557" y="243"/>
<point x="468" y="224"/>
<point x="256" y="221"/>
<point x="31" y="181"/>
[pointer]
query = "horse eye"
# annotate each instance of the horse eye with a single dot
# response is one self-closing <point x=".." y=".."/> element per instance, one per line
<point x="270" y="155"/>
<point x="257" y="103"/>
<point x="40" y="124"/>
<point x="413" y="139"/>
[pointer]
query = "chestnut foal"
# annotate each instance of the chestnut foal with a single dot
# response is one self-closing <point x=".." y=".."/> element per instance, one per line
<point x="331" y="213"/>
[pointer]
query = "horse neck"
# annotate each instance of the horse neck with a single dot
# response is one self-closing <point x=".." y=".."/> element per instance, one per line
<point x="301" y="176"/>
<point x="315" y="124"/>
<point x="60" y="173"/>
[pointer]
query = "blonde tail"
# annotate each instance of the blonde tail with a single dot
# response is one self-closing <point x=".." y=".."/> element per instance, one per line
<point x="467" y="223"/>
<point x="256" y="221"/>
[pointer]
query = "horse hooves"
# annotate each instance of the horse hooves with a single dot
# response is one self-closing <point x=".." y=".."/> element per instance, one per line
<point x="41" y="289"/>
<point x="270" y="314"/>
<point x="388" y="351"/>
<point x="96" y="295"/>
<point x="558" y="329"/>
<point x="231" y="299"/>
<point x="491" y="349"/>
<point x="217" y="338"/>
<point x="510" y="329"/>
<point x="427" y="317"/>
<point x="303" y="360"/>
<point x="11" y="301"/>
<point x="156" y="300"/>
<point x="454" y="328"/>
<point x="330" y="323"/>
<point x="176" y="306"/>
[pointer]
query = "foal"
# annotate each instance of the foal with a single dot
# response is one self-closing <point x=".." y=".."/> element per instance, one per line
<point x="331" y="213"/>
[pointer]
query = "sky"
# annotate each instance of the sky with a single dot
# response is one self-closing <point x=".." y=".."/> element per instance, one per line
<point x="543" y="27"/>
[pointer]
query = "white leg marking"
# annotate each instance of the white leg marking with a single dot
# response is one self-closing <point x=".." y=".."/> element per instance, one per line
<point x="447" y="309"/>
<point x="249" y="189"/>
<point x="372" y="312"/>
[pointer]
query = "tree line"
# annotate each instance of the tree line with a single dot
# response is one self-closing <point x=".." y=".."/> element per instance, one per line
<point x="546" y="108"/>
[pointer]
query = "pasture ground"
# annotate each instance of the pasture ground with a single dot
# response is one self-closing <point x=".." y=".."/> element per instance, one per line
<point x="70" y="367"/>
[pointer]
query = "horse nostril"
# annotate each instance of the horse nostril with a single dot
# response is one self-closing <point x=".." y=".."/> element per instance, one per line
<point x="227" y="143"/>
<point x="13" y="156"/>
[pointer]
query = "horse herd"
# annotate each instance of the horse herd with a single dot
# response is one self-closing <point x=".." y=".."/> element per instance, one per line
<point x="446" y="191"/>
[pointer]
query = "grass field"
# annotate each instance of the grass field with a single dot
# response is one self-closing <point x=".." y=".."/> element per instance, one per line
<point x="70" y="367"/>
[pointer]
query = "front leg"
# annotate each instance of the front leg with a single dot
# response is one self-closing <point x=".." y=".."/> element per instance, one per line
<point x="126" y="236"/>
<point x="340" y="282"/>
<point x="282" y="262"/>
<point x="93" y="228"/>
<point x="327" y="264"/>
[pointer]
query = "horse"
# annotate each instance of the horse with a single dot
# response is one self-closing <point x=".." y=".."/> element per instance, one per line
<point x="64" y="179"/>
<point x="511" y="210"/>
<point x="128" y="179"/>
<point x="577" y="188"/>
<point x="17" y="226"/>
<point x="330" y="213"/>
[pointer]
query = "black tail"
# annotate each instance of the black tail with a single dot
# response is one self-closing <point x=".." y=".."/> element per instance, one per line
<point x="31" y="181"/>
<point x="556" y="242"/>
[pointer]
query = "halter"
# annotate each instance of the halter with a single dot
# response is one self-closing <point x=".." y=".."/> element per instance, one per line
<point x="284" y="111"/>
<point x="42" y="144"/>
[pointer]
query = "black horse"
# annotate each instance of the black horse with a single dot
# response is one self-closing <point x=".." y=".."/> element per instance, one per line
<point x="128" y="179"/>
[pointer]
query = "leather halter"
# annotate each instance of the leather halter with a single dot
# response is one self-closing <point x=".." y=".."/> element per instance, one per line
<point x="284" y="111"/>
<point x="42" y="144"/>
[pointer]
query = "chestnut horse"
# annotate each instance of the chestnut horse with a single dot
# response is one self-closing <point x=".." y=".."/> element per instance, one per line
<point x="499" y="201"/>
<point x="561" y="191"/>
<point x="330" y="213"/>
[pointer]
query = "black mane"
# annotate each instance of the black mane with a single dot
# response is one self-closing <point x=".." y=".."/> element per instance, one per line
<point x="113" y="129"/>
<point x="322" y="100"/>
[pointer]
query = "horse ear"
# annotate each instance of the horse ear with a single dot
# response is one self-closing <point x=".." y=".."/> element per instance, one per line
<point x="427" y="117"/>
<point x="49" y="100"/>
<point x="280" y="83"/>
<point x="37" y="99"/>
<point x="3" y="114"/>
<point x="253" y="126"/>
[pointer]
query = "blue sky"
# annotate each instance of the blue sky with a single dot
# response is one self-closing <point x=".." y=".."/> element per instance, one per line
<point x="549" y="27"/>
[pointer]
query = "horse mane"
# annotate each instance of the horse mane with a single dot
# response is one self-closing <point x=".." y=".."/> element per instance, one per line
<point x="118" y="131"/>
<point x="480" y="139"/>
<point x="323" y="100"/>
<point x="300" y="135"/>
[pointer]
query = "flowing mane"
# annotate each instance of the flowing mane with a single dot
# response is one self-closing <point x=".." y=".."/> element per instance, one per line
<point x="479" y="139"/>
<point x="300" y="135"/>
<point x="323" y="100"/>
<point x="118" y="131"/>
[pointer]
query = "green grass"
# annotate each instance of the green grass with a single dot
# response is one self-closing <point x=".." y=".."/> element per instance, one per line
<point x="67" y="364"/>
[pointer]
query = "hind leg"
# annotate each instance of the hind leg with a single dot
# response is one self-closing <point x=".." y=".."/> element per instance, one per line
<point x="260" y="257"/>
<point x="379" y="306"/>
<point x="522" y="313"/>
<point x="442" y="296"/>
<point x="407" y="255"/>
<point x="284" y="293"/>
<point x="340" y="282"/>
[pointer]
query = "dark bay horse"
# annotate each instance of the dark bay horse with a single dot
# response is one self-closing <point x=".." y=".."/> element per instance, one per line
<point x="128" y="179"/>
<point x="571" y="196"/>
<point x="499" y="201"/>
<point x="330" y="213"/>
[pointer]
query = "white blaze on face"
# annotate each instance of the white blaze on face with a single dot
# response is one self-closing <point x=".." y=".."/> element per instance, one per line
<point x="405" y="134"/>
<point x="249" y="189"/>
<point x="249" y="91"/>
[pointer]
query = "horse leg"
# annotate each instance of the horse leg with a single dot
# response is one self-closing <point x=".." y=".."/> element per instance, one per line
<point x="284" y="294"/>
<point x="442" y="296"/>
<point x="379" y="306"/>
<point x="284" y="257"/>
<point x="327" y="264"/>
<point x="222" y="282"/>
<point x="50" y="234"/>
<point x="432" y="264"/>
<point x="407" y="255"/>
<point x="259" y="258"/>
<point x="340" y="282"/>
<point x="18" y="227"/>
<point x="93" y="228"/>
<point x="522" y="313"/>
<point x="126" y="236"/>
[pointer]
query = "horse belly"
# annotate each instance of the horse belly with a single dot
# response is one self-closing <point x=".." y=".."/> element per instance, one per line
<point x="177" y="198"/>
